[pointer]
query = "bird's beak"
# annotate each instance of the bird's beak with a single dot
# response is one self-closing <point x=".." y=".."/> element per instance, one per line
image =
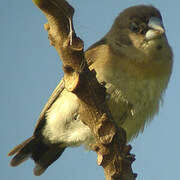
<point x="156" y="28"/>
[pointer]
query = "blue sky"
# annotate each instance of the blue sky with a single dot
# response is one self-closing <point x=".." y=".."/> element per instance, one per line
<point x="30" y="69"/>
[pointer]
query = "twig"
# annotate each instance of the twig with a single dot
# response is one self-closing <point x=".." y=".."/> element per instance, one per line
<point x="113" y="153"/>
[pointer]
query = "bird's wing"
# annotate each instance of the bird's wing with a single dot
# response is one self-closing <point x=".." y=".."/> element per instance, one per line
<point x="91" y="52"/>
<point x="57" y="91"/>
<point x="90" y="57"/>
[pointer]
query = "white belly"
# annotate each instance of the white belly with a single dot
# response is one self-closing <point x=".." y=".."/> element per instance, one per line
<point x="63" y="123"/>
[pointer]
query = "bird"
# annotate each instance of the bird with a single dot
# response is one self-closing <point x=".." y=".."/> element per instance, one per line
<point x="134" y="62"/>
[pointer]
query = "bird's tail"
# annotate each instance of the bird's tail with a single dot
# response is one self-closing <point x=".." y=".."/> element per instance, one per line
<point x="43" y="155"/>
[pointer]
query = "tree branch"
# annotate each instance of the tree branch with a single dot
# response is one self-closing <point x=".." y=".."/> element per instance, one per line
<point x="113" y="153"/>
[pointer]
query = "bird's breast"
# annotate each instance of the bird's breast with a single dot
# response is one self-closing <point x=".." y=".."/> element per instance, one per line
<point x="133" y="102"/>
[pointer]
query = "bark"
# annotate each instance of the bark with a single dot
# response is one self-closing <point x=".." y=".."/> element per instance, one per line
<point x="113" y="153"/>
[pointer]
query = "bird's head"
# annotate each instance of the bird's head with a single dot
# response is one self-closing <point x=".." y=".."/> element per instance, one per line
<point x="139" y="30"/>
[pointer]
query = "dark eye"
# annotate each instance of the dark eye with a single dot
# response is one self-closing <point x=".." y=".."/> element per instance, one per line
<point x="134" y="27"/>
<point x="143" y="28"/>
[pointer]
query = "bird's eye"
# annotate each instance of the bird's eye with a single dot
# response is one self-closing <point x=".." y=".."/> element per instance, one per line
<point x="134" y="27"/>
<point x="143" y="28"/>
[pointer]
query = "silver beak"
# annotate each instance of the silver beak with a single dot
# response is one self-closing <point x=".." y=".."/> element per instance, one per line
<point x="156" y="28"/>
